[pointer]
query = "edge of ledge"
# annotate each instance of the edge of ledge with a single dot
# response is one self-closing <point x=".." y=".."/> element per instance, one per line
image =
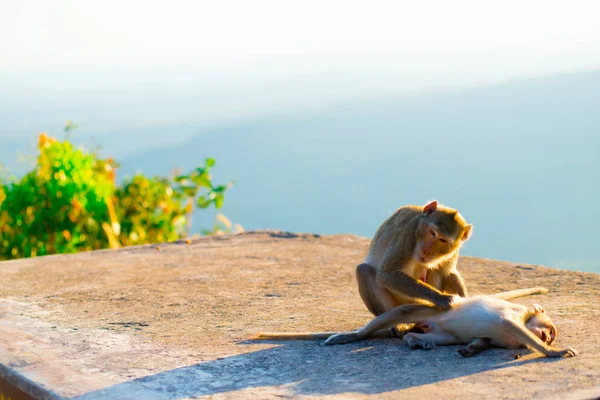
<point x="25" y="385"/>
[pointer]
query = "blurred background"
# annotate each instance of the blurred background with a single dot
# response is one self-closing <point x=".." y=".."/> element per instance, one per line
<point x="325" y="115"/>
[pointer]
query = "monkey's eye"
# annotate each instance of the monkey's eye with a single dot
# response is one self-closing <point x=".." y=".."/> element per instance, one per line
<point x="432" y="232"/>
<point x="443" y="240"/>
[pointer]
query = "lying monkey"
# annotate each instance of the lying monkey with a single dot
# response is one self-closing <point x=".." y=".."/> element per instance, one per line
<point x="481" y="321"/>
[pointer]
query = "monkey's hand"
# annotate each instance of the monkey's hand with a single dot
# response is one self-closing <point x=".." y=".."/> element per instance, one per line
<point x="537" y="309"/>
<point x="424" y="327"/>
<point x="568" y="352"/>
<point x="445" y="301"/>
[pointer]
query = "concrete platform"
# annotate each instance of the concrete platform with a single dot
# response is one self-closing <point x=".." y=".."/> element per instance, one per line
<point x="171" y="322"/>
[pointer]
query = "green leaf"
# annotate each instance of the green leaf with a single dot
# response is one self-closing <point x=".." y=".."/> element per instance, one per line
<point x="190" y="190"/>
<point x="221" y="188"/>
<point x="219" y="200"/>
<point x="210" y="162"/>
<point x="181" y="178"/>
<point x="202" y="181"/>
<point x="203" y="202"/>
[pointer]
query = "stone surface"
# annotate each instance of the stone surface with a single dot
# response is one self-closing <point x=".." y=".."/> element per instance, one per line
<point x="171" y="321"/>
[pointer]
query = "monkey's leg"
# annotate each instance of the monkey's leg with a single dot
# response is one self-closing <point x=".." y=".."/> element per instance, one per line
<point x="377" y="299"/>
<point x="428" y="341"/>
<point x="403" y="314"/>
<point x="476" y="346"/>
<point x="527" y="338"/>
<point x="454" y="284"/>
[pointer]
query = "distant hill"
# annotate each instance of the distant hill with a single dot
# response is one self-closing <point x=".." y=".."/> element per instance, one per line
<point x="520" y="160"/>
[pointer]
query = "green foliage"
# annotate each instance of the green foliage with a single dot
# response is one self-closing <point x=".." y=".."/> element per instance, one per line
<point x="70" y="202"/>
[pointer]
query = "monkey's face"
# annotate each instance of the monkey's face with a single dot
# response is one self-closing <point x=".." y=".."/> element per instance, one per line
<point x="432" y="243"/>
<point x="542" y="326"/>
<point x="440" y="232"/>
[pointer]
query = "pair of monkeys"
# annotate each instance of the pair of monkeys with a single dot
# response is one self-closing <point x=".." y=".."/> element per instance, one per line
<point x="410" y="276"/>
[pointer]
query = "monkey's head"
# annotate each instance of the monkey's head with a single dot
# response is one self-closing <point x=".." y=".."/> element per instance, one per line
<point x="542" y="326"/>
<point x="440" y="233"/>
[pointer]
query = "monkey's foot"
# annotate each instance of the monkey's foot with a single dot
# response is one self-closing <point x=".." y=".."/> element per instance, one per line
<point x="467" y="351"/>
<point x="568" y="352"/>
<point x="342" y="338"/>
<point x="416" y="343"/>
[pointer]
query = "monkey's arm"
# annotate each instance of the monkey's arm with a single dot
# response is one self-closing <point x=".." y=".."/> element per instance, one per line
<point x="527" y="338"/>
<point x="454" y="283"/>
<point x="513" y="294"/>
<point x="407" y="285"/>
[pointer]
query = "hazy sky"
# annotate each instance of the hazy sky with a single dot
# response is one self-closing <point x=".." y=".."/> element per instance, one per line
<point x="255" y="56"/>
<point x="177" y="33"/>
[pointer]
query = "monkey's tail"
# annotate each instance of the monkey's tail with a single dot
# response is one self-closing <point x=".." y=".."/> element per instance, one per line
<point x="292" y="335"/>
<point x="513" y="294"/>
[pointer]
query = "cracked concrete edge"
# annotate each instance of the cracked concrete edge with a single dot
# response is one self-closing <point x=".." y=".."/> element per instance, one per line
<point x="26" y="385"/>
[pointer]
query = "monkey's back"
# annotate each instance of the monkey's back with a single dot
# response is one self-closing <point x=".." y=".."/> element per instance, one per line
<point x="390" y="233"/>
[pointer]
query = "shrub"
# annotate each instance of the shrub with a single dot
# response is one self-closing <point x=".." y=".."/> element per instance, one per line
<point x="70" y="202"/>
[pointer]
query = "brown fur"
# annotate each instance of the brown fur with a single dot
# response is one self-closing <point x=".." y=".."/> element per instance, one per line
<point x="393" y="273"/>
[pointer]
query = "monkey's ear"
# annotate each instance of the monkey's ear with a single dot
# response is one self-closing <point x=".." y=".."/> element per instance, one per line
<point x="467" y="233"/>
<point x="430" y="207"/>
